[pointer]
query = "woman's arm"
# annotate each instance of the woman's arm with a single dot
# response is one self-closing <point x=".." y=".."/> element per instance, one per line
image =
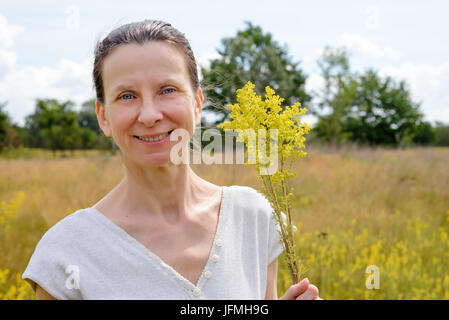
<point x="272" y="273"/>
<point x="41" y="294"/>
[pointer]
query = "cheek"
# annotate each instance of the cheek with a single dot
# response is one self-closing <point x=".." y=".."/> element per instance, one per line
<point x="182" y="113"/>
<point x="123" y="118"/>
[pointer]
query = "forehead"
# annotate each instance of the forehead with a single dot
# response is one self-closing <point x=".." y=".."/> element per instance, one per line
<point x="151" y="62"/>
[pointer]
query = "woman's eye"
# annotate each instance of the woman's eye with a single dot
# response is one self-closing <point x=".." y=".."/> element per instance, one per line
<point x="168" y="90"/>
<point x="126" y="96"/>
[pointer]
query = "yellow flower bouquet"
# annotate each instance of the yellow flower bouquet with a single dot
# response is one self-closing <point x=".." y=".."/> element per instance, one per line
<point x="282" y="132"/>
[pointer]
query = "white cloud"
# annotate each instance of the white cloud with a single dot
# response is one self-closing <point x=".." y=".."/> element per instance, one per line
<point x="20" y="87"/>
<point x="315" y="82"/>
<point x="358" y="44"/>
<point x="7" y="61"/>
<point x="67" y="81"/>
<point x="428" y="84"/>
<point x="8" y="34"/>
<point x="204" y="59"/>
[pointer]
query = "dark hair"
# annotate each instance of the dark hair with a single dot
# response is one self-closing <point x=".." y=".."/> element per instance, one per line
<point x="140" y="33"/>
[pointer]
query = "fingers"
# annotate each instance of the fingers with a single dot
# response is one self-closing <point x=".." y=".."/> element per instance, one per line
<point x="296" y="290"/>
<point x="310" y="294"/>
<point x="302" y="291"/>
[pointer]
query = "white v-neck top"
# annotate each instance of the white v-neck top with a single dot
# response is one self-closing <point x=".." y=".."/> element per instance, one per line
<point x="87" y="256"/>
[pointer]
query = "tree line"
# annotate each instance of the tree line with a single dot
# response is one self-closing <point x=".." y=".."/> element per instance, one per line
<point x="357" y="107"/>
<point x="55" y="126"/>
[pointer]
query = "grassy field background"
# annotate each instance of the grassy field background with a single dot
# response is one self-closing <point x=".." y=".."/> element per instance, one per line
<point x="354" y="207"/>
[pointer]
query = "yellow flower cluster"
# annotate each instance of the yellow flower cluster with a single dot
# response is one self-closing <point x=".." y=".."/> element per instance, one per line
<point x="11" y="288"/>
<point x="409" y="269"/>
<point x="19" y="290"/>
<point x="282" y="133"/>
<point x="253" y="113"/>
<point x="7" y="211"/>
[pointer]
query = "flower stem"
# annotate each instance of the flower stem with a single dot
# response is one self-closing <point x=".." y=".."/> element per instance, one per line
<point x="288" y="241"/>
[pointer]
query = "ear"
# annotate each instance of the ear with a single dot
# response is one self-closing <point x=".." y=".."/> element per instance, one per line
<point x="102" y="119"/>
<point x="199" y="100"/>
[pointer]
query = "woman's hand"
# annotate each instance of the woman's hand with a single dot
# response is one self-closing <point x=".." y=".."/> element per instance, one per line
<point x="303" y="290"/>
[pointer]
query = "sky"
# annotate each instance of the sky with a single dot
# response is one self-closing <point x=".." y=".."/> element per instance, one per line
<point x="46" y="47"/>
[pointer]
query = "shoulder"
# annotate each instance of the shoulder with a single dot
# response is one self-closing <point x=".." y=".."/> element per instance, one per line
<point x="250" y="201"/>
<point x="66" y="239"/>
<point x="248" y="195"/>
<point x="70" y="227"/>
<point x="55" y="253"/>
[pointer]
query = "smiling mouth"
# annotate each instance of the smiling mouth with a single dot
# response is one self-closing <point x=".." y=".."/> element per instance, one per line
<point x="154" y="139"/>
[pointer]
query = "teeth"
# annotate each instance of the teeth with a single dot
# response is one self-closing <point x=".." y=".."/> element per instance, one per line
<point x="153" y="139"/>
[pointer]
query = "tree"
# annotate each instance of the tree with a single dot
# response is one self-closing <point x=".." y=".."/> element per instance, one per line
<point x="255" y="56"/>
<point x="442" y="134"/>
<point x="338" y="95"/>
<point x="54" y="125"/>
<point x="10" y="135"/>
<point x="4" y="123"/>
<point x="364" y="108"/>
<point x="383" y="112"/>
<point x="425" y="134"/>
<point x="92" y="135"/>
<point x="87" y="117"/>
<point x="87" y="121"/>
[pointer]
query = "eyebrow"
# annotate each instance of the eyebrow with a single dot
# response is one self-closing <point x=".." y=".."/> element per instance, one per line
<point x="132" y="87"/>
<point x="122" y="87"/>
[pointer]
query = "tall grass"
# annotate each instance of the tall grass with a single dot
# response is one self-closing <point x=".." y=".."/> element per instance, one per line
<point x="354" y="207"/>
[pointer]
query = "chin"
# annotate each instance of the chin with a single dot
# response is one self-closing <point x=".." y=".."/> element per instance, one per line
<point x="156" y="160"/>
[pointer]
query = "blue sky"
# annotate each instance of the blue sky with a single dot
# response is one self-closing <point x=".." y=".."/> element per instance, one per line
<point x="46" y="47"/>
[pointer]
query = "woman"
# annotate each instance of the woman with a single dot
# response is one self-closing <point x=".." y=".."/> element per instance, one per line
<point x="163" y="232"/>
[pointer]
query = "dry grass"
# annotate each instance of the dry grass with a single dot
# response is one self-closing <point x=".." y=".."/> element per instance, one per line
<point x="376" y="206"/>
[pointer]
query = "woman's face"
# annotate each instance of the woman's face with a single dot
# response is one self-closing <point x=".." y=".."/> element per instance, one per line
<point x="147" y="92"/>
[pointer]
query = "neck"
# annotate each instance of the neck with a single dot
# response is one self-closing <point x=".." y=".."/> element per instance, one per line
<point x="169" y="192"/>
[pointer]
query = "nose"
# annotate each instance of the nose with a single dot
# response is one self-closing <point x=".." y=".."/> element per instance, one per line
<point x="150" y="113"/>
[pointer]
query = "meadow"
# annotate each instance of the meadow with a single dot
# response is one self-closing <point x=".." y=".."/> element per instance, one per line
<point x="354" y="207"/>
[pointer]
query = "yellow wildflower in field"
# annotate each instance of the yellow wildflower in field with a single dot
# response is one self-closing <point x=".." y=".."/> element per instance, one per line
<point x="282" y="132"/>
<point x="19" y="290"/>
<point x="339" y="263"/>
<point x="7" y="210"/>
